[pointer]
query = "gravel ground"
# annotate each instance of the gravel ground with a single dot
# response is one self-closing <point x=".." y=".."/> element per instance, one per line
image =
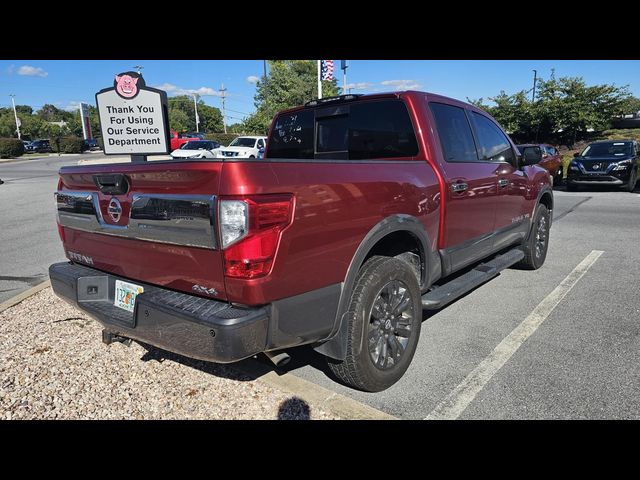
<point x="53" y="365"/>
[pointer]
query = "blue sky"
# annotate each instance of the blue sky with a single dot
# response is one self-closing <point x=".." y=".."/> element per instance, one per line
<point x="65" y="83"/>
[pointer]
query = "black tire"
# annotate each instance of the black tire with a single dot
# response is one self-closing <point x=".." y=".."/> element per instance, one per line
<point x="359" y="369"/>
<point x="571" y="187"/>
<point x="536" y="246"/>
<point x="631" y="184"/>
<point x="252" y="156"/>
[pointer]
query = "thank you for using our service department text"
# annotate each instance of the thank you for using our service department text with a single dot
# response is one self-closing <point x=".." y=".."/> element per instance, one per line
<point x="133" y="117"/>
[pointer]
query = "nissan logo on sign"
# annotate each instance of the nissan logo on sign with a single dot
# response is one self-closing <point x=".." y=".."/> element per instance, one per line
<point x="115" y="210"/>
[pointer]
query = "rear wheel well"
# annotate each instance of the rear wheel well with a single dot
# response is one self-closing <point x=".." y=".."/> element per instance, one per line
<point x="404" y="246"/>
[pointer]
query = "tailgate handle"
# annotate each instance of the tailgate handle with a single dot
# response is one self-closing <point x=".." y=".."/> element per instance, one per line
<point x="112" y="184"/>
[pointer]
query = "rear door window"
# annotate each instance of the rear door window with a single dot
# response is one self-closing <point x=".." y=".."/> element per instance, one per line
<point x="454" y="132"/>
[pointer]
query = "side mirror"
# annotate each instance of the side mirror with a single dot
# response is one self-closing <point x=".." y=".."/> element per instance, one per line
<point x="575" y="155"/>
<point x="531" y="156"/>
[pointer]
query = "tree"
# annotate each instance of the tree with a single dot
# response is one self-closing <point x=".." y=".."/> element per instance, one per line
<point x="630" y="105"/>
<point x="51" y="113"/>
<point x="182" y="117"/>
<point x="288" y="84"/>
<point x="564" y="111"/>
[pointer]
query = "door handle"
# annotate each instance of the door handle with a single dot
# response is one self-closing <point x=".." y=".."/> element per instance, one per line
<point x="503" y="182"/>
<point x="459" y="187"/>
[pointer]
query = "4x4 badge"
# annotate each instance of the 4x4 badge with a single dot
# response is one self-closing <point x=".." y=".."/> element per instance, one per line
<point x="114" y="209"/>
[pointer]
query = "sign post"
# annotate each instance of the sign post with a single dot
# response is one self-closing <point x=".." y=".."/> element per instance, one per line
<point x="133" y="118"/>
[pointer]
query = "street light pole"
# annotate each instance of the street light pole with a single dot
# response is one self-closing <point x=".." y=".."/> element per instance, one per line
<point x="535" y="79"/>
<point x="224" y="121"/>
<point x="195" y="107"/>
<point x="15" y="114"/>
<point x="344" y="64"/>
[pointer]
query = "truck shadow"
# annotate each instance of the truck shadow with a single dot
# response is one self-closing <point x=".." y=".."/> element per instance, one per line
<point x="229" y="371"/>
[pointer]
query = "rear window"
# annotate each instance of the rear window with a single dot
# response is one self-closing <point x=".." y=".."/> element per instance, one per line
<point x="355" y="131"/>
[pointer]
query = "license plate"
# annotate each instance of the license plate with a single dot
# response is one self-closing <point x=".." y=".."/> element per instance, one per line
<point x="126" y="294"/>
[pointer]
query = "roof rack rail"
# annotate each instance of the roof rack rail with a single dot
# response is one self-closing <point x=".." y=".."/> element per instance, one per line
<point x="339" y="98"/>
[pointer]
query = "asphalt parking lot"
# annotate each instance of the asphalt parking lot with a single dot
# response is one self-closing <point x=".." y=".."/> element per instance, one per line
<point x="582" y="362"/>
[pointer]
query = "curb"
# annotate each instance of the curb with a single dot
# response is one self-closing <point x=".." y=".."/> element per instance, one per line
<point x="331" y="402"/>
<point x="24" y="295"/>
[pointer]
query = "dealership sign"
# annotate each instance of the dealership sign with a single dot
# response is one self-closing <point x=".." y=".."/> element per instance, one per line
<point x="133" y="117"/>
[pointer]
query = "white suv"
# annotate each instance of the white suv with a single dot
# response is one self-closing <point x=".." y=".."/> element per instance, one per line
<point x="246" y="147"/>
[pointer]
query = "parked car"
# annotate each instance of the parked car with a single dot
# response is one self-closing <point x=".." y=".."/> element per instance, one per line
<point x="365" y="211"/>
<point x="197" y="149"/>
<point x="198" y="135"/>
<point x="178" y="139"/>
<point x="246" y="147"/>
<point x="551" y="160"/>
<point x="612" y="162"/>
<point x="90" y="144"/>
<point x="39" y="146"/>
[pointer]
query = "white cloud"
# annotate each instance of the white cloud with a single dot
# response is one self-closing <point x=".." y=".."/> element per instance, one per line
<point x="359" y="86"/>
<point x="174" y="90"/>
<point x="253" y="79"/>
<point x="10" y="69"/>
<point x="401" y="84"/>
<point x="30" y="71"/>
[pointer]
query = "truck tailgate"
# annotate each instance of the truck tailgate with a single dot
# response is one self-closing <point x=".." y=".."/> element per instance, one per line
<point x="152" y="222"/>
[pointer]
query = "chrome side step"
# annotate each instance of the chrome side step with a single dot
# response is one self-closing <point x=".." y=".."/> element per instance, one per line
<point x="457" y="287"/>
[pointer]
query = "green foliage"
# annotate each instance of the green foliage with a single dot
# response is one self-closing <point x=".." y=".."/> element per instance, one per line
<point x="51" y="113"/>
<point x="290" y="83"/>
<point x="11" y="148"/>
<point x="622" y="134"/>
<point x="182" y="117"/>
<point x="223" y="139"/>
<point x="564" y="111"/>
<point x="69" y="145"/>
<point x="630" y="105"/>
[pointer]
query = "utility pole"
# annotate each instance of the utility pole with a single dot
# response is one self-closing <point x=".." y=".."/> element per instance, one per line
<point x="319" y="80"/>
<point x="224" y="121"/>
<point x="535" y="79"/>
<point x="15" y="114"/>
<point x="343" y="65"/>
<point x="195" y="107"/>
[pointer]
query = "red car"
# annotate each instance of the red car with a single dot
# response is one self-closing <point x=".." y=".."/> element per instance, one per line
<point x="358" y="218"/>
<point x="177" y="139"/>
<point x="551" y="160"/>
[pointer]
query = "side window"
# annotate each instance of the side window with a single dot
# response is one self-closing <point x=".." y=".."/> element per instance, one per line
<point x="381" y="129"/>
<point x="494" y="145"/>
<point x="454" y="132"/>
<point x="365" y="131"/>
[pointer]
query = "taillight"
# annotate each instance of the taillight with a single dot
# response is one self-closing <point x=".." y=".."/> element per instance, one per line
<point x="250" y="229"/>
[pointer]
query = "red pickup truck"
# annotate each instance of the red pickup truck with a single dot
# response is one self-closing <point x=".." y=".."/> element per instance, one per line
<point x="365" y="211"/>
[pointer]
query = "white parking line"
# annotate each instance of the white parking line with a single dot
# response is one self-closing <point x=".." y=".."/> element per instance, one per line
<point x="459" y="399"/>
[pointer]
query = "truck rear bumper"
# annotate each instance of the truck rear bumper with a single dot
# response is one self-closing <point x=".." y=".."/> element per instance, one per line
<point x="196" y="327"/>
